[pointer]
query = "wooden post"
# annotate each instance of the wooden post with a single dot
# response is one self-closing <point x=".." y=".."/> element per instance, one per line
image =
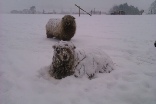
<point x="79" y="12"/>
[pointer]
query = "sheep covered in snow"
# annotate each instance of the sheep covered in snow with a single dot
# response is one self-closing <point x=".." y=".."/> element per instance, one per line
<point x="62" y="29"/>
<point x="67" y="60"/>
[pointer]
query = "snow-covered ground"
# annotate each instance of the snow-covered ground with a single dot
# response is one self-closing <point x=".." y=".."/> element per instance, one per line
<point x="25" y="53"/>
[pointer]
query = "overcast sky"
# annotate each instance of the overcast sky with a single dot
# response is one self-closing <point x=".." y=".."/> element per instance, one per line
<point x="58" y="5"/>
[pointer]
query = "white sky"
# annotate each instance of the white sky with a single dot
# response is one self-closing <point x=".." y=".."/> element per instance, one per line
<point x="58" y="5"/>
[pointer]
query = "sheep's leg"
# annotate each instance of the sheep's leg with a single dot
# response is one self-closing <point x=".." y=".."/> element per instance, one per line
<point x="49" y="35"/>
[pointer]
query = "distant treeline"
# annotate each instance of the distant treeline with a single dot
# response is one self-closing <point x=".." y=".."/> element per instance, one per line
<point x="122" y="9"/>
<point x="129" y="10"/>
<point x="32" y="10"/>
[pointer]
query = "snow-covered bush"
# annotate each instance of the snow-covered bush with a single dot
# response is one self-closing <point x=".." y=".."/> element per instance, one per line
<point x="68" y="60"/>
<point x="62" y="29"/>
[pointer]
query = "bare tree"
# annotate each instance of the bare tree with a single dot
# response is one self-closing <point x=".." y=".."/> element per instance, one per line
<point x="128" y="9"/>
<point x="152" y="9"/>
<point x="33" y="9"/>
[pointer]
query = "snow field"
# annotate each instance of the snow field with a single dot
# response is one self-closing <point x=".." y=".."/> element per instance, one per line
<point x="25" y="54"/>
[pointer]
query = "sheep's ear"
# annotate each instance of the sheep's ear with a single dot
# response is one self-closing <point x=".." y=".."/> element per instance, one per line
<point x="54" y="46"/>
<point x="74" y="47"/>
<point x="73" y="17"/>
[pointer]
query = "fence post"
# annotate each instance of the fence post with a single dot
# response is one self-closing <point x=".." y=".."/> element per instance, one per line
<point x="79" y="12"/>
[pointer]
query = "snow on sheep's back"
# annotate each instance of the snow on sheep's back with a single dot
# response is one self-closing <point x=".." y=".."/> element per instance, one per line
<point x="25" y="52"/>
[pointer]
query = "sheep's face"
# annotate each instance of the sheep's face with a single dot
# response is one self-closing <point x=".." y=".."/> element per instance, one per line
<point x="64" y="51"/>
<point x="63" y="60"/>
<point x="68" y="20"/>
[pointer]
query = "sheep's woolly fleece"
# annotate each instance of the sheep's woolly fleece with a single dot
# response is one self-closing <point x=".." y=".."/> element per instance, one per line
<point x="62" y="29"/>
<point x="88" y="63"/>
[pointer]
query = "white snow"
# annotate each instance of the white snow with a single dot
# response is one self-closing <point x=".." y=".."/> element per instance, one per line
<point x="25" y="53"/>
